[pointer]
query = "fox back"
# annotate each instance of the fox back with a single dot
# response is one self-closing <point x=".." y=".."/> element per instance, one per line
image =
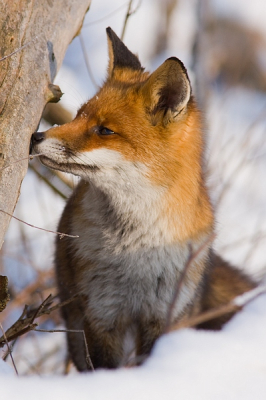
<point x="140" y="210"/>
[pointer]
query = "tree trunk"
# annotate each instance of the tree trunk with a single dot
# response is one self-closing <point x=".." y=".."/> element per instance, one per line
<point x="47" y="27"/>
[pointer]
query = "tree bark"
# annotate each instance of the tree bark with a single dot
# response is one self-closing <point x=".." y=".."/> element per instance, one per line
<point x="47" y="27"/>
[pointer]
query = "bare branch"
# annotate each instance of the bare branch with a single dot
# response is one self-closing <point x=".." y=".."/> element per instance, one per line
<point x="26" y="321"/>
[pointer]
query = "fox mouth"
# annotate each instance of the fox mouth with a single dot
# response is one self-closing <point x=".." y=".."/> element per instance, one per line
<point x="69" y="167"/>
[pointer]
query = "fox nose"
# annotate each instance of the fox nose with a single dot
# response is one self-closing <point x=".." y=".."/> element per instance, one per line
<point x="36" y="138"/>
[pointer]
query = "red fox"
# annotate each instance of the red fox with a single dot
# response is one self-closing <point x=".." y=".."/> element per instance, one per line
<point x="139" y="208"/>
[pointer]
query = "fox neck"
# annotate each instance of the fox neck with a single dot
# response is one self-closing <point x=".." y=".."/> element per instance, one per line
<point x="136" y="210"/>
<point x="124" y="213"/>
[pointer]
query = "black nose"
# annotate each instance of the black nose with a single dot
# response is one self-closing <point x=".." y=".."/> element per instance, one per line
<point x="36" y="138"/>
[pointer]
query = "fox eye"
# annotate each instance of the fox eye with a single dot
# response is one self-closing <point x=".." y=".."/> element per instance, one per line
<point x="105" y="131"/>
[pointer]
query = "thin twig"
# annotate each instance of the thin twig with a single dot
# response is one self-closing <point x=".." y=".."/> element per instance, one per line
<point x="88" y="358"/>
<point x="24" y="312"/>
<point x="39" y="310"/>
<point x="16" y="51"/>
<point x="47" y="182"/>
<point x="9" y="349"/>
<point x="61" y="235"/>
<point x="191" y="258"/>
<point x="21" y="159"/>
<point x="85" y="55"/>
<point x="128" y="14"/>
<point x="235" y="305"/>
<point x="106" y="16"/>
<point x="59" y="305"/>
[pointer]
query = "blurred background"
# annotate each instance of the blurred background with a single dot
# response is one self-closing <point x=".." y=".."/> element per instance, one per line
<point x="222" y="43"/>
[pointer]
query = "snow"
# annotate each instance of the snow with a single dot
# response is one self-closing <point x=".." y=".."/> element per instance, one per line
<point x="188" y="364"/>
<point x="5" y="369"/>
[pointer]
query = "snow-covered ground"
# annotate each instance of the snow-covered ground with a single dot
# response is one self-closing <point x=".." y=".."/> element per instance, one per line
<point x="187" y="364"/>
<point x="184" y="365"/>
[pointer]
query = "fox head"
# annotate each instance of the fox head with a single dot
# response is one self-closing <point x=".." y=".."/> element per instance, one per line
<point x="137" y="125"/>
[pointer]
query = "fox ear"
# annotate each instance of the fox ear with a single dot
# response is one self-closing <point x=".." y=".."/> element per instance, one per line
<point x="119" y="55"/>
<point x="167" y="91"/>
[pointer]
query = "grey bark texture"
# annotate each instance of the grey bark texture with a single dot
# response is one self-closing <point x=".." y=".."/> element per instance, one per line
<point x="25" y="80"/>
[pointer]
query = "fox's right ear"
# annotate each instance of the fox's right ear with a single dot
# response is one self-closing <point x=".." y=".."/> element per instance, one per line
<point x="167" y="91"/>
<point x="119" y="55"/>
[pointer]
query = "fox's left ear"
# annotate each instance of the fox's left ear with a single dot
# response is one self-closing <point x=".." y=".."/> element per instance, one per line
<point x="167" y="91"/>
<point x="119" y="55"/>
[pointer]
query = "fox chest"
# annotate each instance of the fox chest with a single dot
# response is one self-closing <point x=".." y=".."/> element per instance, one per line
<point x="143" y="284"/>
<point x="129" y="276"/>
<point x="127" y="262"/>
